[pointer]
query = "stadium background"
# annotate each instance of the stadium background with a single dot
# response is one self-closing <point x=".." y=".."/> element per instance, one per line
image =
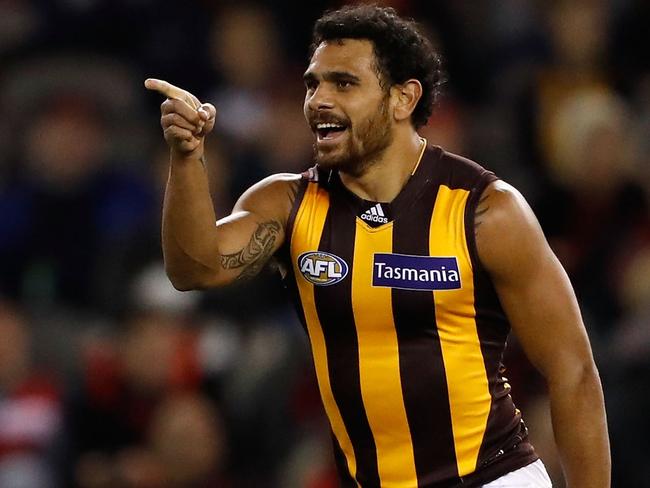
<point x="108" y="377"/>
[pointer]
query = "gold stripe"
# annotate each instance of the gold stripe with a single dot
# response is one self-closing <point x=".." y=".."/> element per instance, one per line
<point x="381" y="386"/>
<point x="469" y="395"/>
<point x="307" y="231"/>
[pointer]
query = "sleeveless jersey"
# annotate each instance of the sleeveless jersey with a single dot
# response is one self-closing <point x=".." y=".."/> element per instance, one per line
<point x="406" y="330"/>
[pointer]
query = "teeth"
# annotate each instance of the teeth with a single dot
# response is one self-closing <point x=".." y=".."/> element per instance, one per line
<point x="328" y="126"/>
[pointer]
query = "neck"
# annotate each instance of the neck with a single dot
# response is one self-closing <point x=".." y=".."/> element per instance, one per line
<point x="382" y="180"/>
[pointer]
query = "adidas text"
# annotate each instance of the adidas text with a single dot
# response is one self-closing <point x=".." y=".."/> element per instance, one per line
<point x="374" y="218"/>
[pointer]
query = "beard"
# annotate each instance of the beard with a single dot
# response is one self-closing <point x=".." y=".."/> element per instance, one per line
<point x="365" y="142"/>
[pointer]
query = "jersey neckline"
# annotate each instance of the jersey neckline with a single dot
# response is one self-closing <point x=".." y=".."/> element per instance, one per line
<point x="417" y="182"/>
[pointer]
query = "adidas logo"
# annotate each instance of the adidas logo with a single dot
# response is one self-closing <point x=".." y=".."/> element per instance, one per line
<point x="375" y="214"/>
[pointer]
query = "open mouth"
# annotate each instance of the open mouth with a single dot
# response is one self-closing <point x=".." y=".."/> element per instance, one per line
<point x="329" y="131"/>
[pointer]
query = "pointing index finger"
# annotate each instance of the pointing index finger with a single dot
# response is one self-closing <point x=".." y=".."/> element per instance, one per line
<point x="168" y="90"/>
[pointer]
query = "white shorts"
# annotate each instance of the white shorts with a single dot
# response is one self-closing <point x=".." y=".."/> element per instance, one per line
<point x="532" y="476"/>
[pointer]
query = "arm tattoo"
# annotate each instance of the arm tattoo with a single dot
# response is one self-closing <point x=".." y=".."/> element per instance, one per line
<point x="256" y="253"/>
<point x="481" y="208"/>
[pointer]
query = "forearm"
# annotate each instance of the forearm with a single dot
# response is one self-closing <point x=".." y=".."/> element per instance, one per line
<point x="580" y="427"/>
<point x="189" y="224"/>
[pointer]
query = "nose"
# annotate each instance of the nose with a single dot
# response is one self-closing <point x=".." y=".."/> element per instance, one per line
<point x="320" y="99"/>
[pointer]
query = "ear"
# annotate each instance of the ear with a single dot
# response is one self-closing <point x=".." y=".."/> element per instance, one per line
<point x="405" y="98"/>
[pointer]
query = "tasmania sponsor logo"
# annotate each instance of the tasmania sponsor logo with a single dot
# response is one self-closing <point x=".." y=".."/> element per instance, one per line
<point x="322" y="268"/>
<point x="415" y="272"/>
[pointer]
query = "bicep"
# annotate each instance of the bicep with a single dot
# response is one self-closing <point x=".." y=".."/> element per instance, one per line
<point x="533" y="288"/>
<point x="255" y="230"/>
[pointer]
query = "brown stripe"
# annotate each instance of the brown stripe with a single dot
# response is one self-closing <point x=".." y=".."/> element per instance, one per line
<point x="334" y="306"/>
<point x="284" y="254"/>
<point x="504" y="427"/>
<point x="300" y="195"/>
<point x="345" y="478"/>
<point x="424" y="383"/>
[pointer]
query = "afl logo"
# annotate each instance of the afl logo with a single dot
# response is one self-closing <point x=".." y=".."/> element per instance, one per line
<point x="322" y="268"/>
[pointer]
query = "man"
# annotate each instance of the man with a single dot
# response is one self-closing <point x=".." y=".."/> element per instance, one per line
<point x="409" y="265"/>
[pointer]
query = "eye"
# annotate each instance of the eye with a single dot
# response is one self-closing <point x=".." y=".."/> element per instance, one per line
<point x="311" y="85"/>
<point x="343" y="84"/>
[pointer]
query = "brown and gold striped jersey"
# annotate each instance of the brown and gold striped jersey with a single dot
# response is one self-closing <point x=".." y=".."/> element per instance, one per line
<point x="406" y="329"/>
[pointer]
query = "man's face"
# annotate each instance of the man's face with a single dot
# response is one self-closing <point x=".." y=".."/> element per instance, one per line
<point x="345" y="105"/>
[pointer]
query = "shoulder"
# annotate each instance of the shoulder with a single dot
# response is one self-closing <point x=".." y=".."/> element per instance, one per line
<point x="459" y="172"/>
<point x="276" y="182"/>
<point x="502" y="204"/>
<point x="460" y="162"/>
<point x="272" y="196"/>
<point x="273" y="186"/>
<point x="506" y="230"/>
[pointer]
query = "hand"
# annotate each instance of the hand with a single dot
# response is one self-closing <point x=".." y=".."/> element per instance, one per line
<point x="185" y="120"/>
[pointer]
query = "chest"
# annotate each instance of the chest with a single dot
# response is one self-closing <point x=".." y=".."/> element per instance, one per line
<point x="419" y="259"/>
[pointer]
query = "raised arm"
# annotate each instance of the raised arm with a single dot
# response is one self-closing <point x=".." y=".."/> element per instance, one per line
<point x="198" y="252"/>
<point x="540" y="303"/>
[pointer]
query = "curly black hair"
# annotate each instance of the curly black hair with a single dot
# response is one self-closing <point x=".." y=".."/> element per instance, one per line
<point x="401" y="51"/>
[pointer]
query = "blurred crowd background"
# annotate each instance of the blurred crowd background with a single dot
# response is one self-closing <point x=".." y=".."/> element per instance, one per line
<point x="110" y="378"/>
